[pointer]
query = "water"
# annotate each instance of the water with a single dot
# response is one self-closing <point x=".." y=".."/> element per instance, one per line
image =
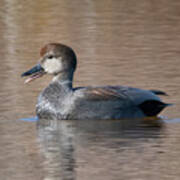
<point x="134" y="43"/>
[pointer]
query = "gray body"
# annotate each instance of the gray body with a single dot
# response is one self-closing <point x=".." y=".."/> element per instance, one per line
<point x="59" y="101"/>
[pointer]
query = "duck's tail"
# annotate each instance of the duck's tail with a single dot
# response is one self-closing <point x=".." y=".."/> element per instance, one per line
<point x="152" y="107"/>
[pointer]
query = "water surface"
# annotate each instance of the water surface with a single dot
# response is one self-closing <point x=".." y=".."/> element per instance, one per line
<point x="126" y="42"/>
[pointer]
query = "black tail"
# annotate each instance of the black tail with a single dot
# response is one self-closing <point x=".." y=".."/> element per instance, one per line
<point x="152" y="107"/>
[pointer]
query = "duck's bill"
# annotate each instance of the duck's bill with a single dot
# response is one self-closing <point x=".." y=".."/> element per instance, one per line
<point x="34" y="73"/>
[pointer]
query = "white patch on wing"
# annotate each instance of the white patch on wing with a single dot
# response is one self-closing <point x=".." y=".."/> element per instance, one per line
<point x="53" y="65"/>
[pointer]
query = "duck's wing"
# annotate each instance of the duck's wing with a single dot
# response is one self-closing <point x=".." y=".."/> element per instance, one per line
<point x="159" y="92"/>
<point x="113" y="93"/>
<point x="126" y="97"/>
<point x="104" y="93"/>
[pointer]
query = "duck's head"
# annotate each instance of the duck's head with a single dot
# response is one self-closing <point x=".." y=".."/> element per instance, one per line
<point x="56" y="59"/>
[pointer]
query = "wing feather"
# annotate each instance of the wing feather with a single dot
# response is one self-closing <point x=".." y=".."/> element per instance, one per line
<point x="115" y="93"/>
<point x="104" y="93"/>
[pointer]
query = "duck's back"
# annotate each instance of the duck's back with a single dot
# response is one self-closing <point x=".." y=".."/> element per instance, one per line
<point x="114" y="102"/>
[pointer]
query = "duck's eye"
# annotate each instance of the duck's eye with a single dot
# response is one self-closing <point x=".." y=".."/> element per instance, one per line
<point x="50" y="56"/>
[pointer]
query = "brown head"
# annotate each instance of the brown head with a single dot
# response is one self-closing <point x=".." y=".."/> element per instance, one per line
<point x="56" y="59"/>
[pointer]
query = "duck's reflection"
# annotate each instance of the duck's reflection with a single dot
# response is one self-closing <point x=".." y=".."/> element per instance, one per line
<point x="61" y="141"/>
<point x="57" y="143"/>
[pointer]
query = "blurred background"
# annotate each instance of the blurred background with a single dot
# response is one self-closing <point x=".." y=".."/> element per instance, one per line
<point x="117" y="42"/>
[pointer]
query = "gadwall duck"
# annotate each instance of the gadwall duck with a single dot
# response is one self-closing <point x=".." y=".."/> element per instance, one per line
<point x="61" y="101"/>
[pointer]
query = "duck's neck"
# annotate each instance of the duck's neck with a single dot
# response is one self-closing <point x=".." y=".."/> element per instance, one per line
<point x="64" y="79"/>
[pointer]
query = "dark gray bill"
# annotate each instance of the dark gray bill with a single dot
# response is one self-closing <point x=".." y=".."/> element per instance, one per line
<point x="35" y="72"/>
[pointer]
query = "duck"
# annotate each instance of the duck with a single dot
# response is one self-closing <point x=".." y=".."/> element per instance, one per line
<point x="61" y="101"/>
